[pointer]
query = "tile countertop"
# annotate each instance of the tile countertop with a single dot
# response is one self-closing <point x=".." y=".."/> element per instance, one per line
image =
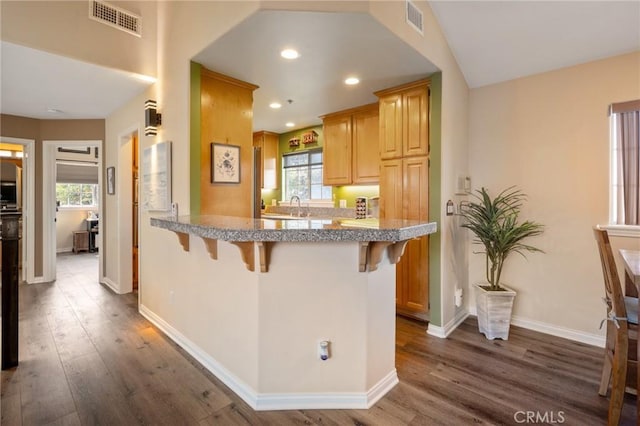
<point x="229" y="228"/>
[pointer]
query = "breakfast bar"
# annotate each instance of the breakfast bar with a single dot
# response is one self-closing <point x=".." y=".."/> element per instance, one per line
<point x="321" y="283"/>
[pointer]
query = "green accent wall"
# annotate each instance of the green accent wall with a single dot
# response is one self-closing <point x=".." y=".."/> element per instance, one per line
<point x="435" y="199"/>
<point x="194" y="139"/>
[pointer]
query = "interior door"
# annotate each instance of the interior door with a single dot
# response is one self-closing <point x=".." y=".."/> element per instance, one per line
<point x="134" y="211"/>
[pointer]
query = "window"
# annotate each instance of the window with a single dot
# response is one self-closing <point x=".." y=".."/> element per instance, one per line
<point x="77" y="194"/>
<point x="302" y="176"/>
<point x="625" y="163"/>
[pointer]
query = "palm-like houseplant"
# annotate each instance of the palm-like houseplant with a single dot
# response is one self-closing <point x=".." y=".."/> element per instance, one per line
<point x="496" y="224"/>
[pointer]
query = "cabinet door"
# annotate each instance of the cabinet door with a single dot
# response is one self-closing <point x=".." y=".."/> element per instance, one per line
<point x="415" y="198"/>
<point x="366" y="159"/>
<point x="391" y="189"/>
<point x="258" y="142"/>
<point x="270" y="175"/>
<point x="415" y="117"/>
<point x="268" y="143"/>
<point x="412" y="272"/>
<point x="337" y="151"/>
<point x="412" y="277"/>
<point x="390" y="126"/>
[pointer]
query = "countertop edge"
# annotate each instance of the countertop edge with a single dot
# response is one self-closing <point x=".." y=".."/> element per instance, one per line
<point x="247" y="229"/>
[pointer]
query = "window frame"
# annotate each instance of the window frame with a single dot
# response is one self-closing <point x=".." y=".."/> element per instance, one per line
<point x="310" y="166"/>
<point x="614" y="228"/>
<point x="95" y="197"/>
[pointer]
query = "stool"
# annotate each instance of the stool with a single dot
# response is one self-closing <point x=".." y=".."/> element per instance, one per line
<point x="80" y="241"/>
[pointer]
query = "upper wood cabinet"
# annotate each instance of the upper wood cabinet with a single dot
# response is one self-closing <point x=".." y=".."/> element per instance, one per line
<point x="404" y="120"/>
<point x="336" y="157"/>
<point x="268" y="143"/>
<point x="351" y="140"/>
<point x="404" y="185"/>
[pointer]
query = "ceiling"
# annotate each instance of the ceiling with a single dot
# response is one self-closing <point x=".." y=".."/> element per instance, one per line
<point x="41" y="85"/>
<point x="492" y="42"/>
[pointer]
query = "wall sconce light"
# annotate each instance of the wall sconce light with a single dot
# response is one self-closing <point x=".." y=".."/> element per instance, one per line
<point x="151" y="118"/>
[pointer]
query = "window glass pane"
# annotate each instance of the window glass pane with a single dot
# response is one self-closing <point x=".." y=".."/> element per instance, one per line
<point x="77" y="195"/>
<point x="302" y="176"/>
<point x="316" y="157"/>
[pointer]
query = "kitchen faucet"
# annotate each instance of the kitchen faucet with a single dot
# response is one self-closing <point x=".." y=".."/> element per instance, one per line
<point x="295" y="197"/>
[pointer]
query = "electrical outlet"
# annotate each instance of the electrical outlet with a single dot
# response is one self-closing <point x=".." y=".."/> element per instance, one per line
<point x="174" y="209"/>
<point x="323" y="350"/>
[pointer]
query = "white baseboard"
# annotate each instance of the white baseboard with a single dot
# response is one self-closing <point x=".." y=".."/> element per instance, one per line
<point x="443" y="332"/>
<point x="38" y="280"/>
<point x="112" y="285"/>
<point x="265" y="401"/>
<point x="64" y="250"/>
<point x="554" y="330"/>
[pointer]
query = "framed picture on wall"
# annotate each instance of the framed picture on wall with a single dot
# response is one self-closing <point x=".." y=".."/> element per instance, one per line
<point x="156" y="177"/>
<point x="111" y="180"/>
<point x="225" y="163"/>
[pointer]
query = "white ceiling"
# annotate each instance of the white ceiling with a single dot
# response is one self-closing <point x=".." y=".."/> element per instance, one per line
<point x="495" y="41"/>
<point x="492" y="42"/>
<point x="42" y="85"/>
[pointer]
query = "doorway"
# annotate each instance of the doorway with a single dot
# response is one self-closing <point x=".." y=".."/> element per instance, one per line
<point x="26" y="195"/>
<point x="50" y="151"/>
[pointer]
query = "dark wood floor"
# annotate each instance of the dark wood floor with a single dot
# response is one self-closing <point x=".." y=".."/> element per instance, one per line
<point x="87" y="357"/>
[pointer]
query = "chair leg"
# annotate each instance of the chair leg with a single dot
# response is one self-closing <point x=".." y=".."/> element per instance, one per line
<point x="606" y="376"/>
<point x="618" y="382"/>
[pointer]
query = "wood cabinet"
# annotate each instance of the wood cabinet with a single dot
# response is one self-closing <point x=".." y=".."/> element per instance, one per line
<point x="350" y="154"/>
<point x="404" y="185"/>
<point x="268" y="143"/>
<point x="404" y="120"/>
<point x="80" y="241"/>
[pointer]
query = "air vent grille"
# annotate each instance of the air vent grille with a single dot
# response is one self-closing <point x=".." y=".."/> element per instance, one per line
<point x="414" y="17"/>
<point x="115" y="17"/>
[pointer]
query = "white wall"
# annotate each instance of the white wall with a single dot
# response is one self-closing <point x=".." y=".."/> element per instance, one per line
<point x="70" y="32"/>
<point x="67" y="221"/>
<point x="549" y="135"/>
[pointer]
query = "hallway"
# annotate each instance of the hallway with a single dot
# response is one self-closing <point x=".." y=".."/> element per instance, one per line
<point x="87" y="357"/>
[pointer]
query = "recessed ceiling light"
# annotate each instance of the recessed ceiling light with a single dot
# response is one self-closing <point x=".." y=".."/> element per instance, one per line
<point x="290" y="124"/>
<point x="275" y="105"/>
<point x="54" y="111"/>
<point x="351" y="81"/>
<point x="289" y="54"/>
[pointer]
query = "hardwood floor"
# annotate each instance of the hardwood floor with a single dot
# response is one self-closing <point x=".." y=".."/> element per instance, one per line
<point x="87" y="357"/>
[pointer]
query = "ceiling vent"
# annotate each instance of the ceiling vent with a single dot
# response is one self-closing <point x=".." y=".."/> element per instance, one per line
<point x="414" y="16"/>
<point x="115" y="17"/>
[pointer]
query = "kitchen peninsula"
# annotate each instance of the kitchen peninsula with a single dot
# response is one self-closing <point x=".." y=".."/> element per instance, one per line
<point x="260" y="309"/>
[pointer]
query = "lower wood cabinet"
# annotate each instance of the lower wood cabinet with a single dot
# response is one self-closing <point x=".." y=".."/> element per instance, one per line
<point x="412" y="278"/>
<point x="404" y="194"/>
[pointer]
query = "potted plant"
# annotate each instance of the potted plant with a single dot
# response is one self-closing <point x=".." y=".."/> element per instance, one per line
<point x="496" y="226"/>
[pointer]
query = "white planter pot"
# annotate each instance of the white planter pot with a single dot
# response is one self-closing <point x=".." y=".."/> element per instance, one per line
<point x="494" y="312"/>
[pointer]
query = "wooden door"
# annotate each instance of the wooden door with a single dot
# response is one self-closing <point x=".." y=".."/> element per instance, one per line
<point x="415" y="118"/>
<point x="391" y="189"/>
<point x="412" y="272"/>
<point x="337" y="150"/>
<point x="134" y="211"/>
<point x="366" y="156"/>
<point x="390" y="107"/>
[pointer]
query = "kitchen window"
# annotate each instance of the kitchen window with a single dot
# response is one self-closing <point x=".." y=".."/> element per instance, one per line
<point x="302" y="176"/>
<point x="625" y="163"/>
<point x="77" y="194"/>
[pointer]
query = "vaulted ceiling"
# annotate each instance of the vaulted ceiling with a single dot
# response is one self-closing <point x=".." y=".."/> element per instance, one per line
<point x="492" y="42"/>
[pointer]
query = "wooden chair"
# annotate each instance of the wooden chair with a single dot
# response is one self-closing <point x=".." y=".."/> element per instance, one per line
<point x="620" y="361"/>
